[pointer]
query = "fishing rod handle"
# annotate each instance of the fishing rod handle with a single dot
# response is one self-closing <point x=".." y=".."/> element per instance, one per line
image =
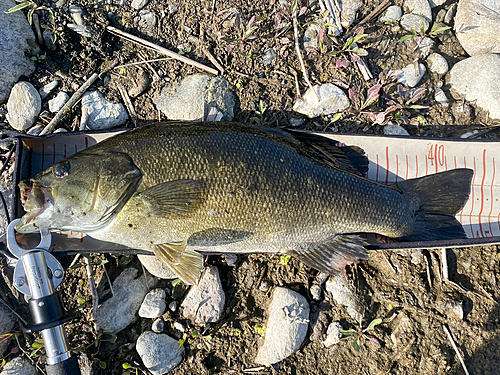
<point x="67" y="367"/>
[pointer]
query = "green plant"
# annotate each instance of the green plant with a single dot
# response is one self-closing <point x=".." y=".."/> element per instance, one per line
<point x="360" y="334"/>
<point x="131" y="370"/>
<point x="260" y="112"/>
<point x="348" y="52"/>
<point x="422" y="34"/>
<point x="285" y="259"/>
<point x="204" y="340"/>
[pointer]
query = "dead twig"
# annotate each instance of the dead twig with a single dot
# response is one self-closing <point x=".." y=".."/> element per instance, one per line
<point x="297" y="88"/>
<point x="95" y="296"/>
<point x="162" y="50"/>
<point x="212" y="59"/>
<point x="142" y="55"/>
<point x="128" y="104"/>
<point x="456" y="349"/>
<point x="383" y="6"/>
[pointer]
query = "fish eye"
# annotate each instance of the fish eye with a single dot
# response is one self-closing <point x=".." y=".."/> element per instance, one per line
<point x="61" y="170"/>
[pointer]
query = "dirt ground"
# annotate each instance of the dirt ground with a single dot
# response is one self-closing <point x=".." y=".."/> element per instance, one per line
<point x="404" y="289"/>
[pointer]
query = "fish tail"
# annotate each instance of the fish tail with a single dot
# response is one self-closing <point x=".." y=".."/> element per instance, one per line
<point x="434" y="201"/>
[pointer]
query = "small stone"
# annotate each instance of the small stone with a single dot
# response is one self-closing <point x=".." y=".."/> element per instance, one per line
<point x="48" y="39"/>
<point x="437" y="64"/>
<point x="401" y="330"/>
<point x="296" y="121"/>
<point x="318" y="324"/>
<point x="139" y="4"/>
<point x="440" y="16"/>
<point x="411" y="22"/>
<point x="408" y="76"/>
<point x="172" y="306"/>
<point x="264" y="286"/>
<point x="82" y="30"/>
<point x="286" y="327"/>
<point x="77" y="14"/>
<point x="60" y="130"/>
<point x="342" y="292"/>
<point x="24" y="106"/>
<point x="450" y="13"/>
<point x="58" y="102"/>
<point x="416" y="256"/>
<point x="172" y="9"/>
<point x="147" y="20"/>
<point x="153" y="305"/>
<point x="420" y="7"/>
<point x="394" y="129"/>
<point x="451" y="307"/>
<point x="156" y="267"/>
<point x="231" y="259"/>
<point x="158" y="326"/>
<point x="392" y="13"/>
<point x="311" y="37"/>
<point x="143" y="84"/>
<point x="440" y="97"/>
<point x="269" y="56"/>
<point x="316" y="292"/>
<point x="159" y="353"/>
<point x="436" y="3"/>
<point x="47" y="89"/>
<point x="35" y="130"/>
<point x="19" y="366"/>
<point x="332" y="100"/>
<point x="99" y="114"/>
<point x="425" y="46"/>
<point x="348" y="10"/>
<point x="205" y="302"/>
<point x="333" y="334"/>
<point x="179" y="326"/>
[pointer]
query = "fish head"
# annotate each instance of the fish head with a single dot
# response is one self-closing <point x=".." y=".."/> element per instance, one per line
<point x="81" y="193"/>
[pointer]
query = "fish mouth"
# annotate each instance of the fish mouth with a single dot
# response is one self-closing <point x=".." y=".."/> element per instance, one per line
<point x="35" y="199"/>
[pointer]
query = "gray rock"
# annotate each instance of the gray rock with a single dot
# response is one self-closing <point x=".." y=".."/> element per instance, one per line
<point x="172" y="9"/>
<point x="205" y="302"/>
<point x="82" y="30"/>
<point x="408" y="76"/>
<point x="450" y="14"/>
<point x="199" y="91"/>
<point x="411" y="22"/>
<point x="7" y="322"/>
<point x="296" y="121"/>
<point x="425" y="46"/>
<point x="139" y="4"/>
<point x="437" y="64"/>
<point x="478" y="79"/>
<point x="47" y="89"/>
<point x="16" y="44"/>
<point x="120" y="310"/>
<point x="436" y="3"/>
<point x="100" y="114"/>
<point x="440" y="97"/>
<point x="172" y="306"/>
<point x="416" y="256"/>
<point x="48" y="39"/>
<point x="85" y="364"/>
<point x="60" y="130"/>
<point x="159" y="353"/>
<point x="147" y="20"/>
<point x="476" y="24"/>
<point x="77" y="14"/>
<point x="394" y="129"/>
<point x="35" y="130"/>
<point x="269" y="56"/>
<point x="286" y="326"/>
<point x="158" y="326"/>
<point x="154" y="304"/>
<point x="332" y="100"/>
<point x="420" y="7"/>
<point x="342" y="292"/>
<point x="453" y="308"/>
<point x="316" y="292"/>
<point x="156" y="267"/>
<point x="58" y="102"/>
<point x="311" y="37"/>
<point x="392" y="13"/>
<point x="318" y="323"/>
<point x="333" y="334"/>
<point x="348" y="10"/>
<point x="179" y="326"/>
<point x="19" y="366"/>
<point x="24" y="106"/>
<point x="231" y="259"/>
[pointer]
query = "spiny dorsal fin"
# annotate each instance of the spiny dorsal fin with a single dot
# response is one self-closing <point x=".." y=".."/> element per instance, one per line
<point x="174" y="199"/>
<point x="332" y="256"/>
<point x="186" y="264"/>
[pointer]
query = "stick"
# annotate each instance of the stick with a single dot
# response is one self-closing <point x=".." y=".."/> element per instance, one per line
<point x="128" y="104"/>
<point x="456" y="349"/>
<point x="363" y="68"/>
<point x="95" y="297"/>
<point x="385" y="4"/>
<point x="212" y="59"/>
<point x="142" y="55"/>
<point x="444" y="263"/>
<point x="299" y="54"/>
<point x="297" y="88"/>
<point x="162" y="50"/>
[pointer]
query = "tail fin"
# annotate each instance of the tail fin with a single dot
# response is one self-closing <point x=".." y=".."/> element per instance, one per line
<point x="436" y="199"/>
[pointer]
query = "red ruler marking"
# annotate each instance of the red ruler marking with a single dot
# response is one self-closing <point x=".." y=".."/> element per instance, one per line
<point x="426" y="166"/>
<point x="491" y="197"/>
<point x="472" y="209"/>
<point x="482" y="192"/>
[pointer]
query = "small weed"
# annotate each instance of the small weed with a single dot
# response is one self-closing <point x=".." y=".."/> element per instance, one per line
<point x="285" y="259"/>
<point x="348" y="53"/>
<point x="205" y="341"/>
<point x="38" y="57"/>
<point x="260" y="330"/>
<point x="360" y="334"/>
<point x="131" y="370"/>
<point x="260" y="112"/>
<point x="421" y="34"/>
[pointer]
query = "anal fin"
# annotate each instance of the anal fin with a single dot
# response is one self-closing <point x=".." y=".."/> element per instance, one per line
<point x="187" y="264"/>
<point x="333" y="255"/>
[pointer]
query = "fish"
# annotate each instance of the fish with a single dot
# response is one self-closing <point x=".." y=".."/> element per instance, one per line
<point x="182" y="189"/>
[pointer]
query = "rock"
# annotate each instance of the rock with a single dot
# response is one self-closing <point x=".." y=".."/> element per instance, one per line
<point x="450" y="14"/>
<point x="333" y="334"/>
<point x="311" y="37"/>
<point x="437" y="64"/>
<point x="425" y="46"/>
<point x="408" y="76"/>
<point x="146" y="20"/>
<point x="159" y="353"/>
<point x="332" y="100"/>
<point x="436" y="3"/>
<point x="120" y="310"/>
<point x="156" y="267"/>
<point x="154" y="304"/>
<point x="476" y="24"/>
<point x="100" y="114"/>
<point x="478" y="79"/>
<point x="158" y="326"/>
<point x="401" y="330"/>
<point x="411" y="22"/>
<point x="47" y="89"/>
<point x="7" y="322"/>
<point x="394" y="129"/>
<point x="142" y="84"/>
<point x="316" y="292"/>
<point x="416" y="256"/>
<point x="420" y="7"/>
<point x="58" y="102"/>
<point x="269" y="56"/>
<point x="286" y="327"/>
<point x="453" y="308"/>
<point x="392" y="13"/>
<point x="264" y="286"/>
<point x="35" y="130"/>
<point x="17" y="42"/>
<point x="342" y="293"/>
<point x="82" y="30"/>
<point x="440" y="97"/>
<point x="231" y="259"/>
<point x="318" y="324"/>
<point x="19" y="366"/>
<point x="296" y="121"/>
<point x="48" y="39"/>
<point x="348" y="9"/>
<point x="85" y="364"/>
<point x="172" y="9"/>
<point x="139" y="4"/>
<point x="179" y="326"/>
<point x="205" y="302"/>
<point x="77" y="14"/>
<point x="199" y="90"/>
<point x="24" y="106"/>
<point x="172" y="306"/>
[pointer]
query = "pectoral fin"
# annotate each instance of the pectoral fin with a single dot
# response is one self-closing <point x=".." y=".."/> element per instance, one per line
<point x="186" y="264"/>
<point x="333" y="255"/>
<point x="174" y="199"/>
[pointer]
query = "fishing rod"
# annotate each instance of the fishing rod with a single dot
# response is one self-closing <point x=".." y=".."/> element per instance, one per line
<point x="37" y="275"/>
